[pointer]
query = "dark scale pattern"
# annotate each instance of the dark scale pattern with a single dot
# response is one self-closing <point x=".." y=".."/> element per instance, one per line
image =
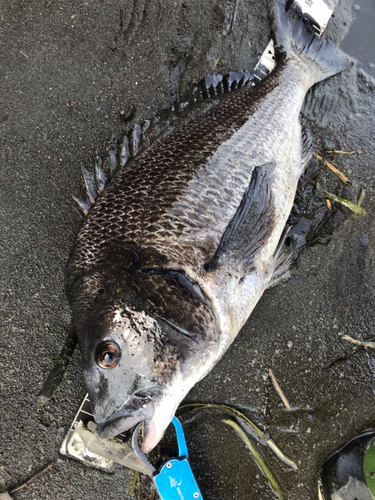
<point x="96" y="297"/>
<point x="166" y="362"/>
<point x="163" y="295"/>
<point x="140" y="209"/>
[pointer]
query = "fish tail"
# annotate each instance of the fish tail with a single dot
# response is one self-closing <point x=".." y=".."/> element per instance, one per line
<point x="317" y="57"/>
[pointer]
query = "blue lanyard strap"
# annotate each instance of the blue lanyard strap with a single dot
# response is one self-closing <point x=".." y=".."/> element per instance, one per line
<point x="182" y="448"/>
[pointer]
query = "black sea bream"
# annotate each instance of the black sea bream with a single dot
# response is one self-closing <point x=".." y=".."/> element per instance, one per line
<point x="177" y="251"/>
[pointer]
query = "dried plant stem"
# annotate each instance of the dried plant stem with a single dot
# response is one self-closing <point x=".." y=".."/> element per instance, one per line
<point x="31" y="479"/>
<point x="152" y="493"/>
<point x="359" y="342"/>
<point x="319" y="493"/>
<point x="279" y="390"/>
<point x="334" y="169"/>
<point x="346" y="355"/>
<point x="342" y="152"/>
<point x="361" y="197"/>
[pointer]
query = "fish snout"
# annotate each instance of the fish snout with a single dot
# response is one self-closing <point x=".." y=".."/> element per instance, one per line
<point x="137" y="408"/>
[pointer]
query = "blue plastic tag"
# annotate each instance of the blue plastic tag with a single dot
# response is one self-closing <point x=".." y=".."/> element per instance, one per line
<point x="175" y="481"/>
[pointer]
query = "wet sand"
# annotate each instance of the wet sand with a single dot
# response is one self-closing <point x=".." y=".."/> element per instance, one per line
<point x="74" y="79"/>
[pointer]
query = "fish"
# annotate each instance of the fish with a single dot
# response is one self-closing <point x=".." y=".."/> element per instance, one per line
<point x="177" y="250"/>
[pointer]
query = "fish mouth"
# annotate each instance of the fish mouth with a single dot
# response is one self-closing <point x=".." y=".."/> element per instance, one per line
<point x="135" y="410"/>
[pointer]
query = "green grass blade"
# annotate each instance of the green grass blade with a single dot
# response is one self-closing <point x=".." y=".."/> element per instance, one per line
<point x="271" y="444"/>
<point x="348" y="204"/>
<point x="274" y="484"/>
<point x="369" y="467"/>
<point x="231" y="410"/>
<point x="132" y="484"/>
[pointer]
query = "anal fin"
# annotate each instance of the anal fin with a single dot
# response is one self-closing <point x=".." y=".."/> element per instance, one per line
<point x="282" y="261"/>
<point x="251" y="225"/>
<point x="307" y="147"/>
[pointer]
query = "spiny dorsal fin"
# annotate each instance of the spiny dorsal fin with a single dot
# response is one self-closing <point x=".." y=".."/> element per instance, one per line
<point x="89" y="181"/>
<point x="216" y="84"/>
<point x="252" y="224"/>
<point x="101" y="179"/>
<point x="95" y="182"/>
<point x="83" y="205"/>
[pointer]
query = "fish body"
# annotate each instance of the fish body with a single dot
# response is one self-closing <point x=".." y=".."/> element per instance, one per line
<point x="179" y="248"/>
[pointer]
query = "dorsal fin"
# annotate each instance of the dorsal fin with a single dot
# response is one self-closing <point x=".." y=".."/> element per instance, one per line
<point x="94" y="182"/>
<point x="89" y="181"/>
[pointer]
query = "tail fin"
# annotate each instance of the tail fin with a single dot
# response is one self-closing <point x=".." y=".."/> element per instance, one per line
<point x="293" y="37"/>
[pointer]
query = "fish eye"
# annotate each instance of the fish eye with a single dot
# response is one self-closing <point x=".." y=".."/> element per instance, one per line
<point x="107" y="354"/>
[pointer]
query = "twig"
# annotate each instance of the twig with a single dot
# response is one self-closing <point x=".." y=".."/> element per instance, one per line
<point x="319" y="493"/>
<point x="152" y="493"/>
<point x="31" y="479"/>
<point x="359" y="342"/>
<point x="346" y="355"/>
<point x="279" y="390"/>
<point x="342" y="152"/>
<point x="234" y="16"/>
<point x="334" y="169"/>
<point x="342" y="357"/>
<point x="215" y="64"/>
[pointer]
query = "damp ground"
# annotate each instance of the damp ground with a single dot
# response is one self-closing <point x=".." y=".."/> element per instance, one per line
<point x="75" y="79"/>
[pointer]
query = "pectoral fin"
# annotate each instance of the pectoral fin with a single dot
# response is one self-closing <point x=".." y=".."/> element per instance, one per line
<point x="252" y="224"/>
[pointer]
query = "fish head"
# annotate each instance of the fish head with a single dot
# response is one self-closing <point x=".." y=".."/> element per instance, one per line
<point x="138" y="367"/>
<point x="117" y="368"/>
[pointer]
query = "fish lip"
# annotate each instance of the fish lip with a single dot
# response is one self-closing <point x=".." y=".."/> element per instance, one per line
<point x="135" y="410"/>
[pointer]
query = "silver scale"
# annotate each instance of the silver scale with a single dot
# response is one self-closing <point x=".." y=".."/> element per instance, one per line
<point x="81" y="442"/>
